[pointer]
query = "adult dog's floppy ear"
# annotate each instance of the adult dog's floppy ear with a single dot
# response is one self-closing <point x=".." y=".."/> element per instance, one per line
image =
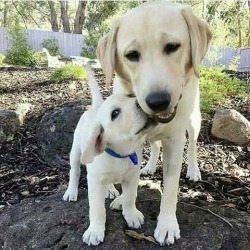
<point x="106" y="50"/>
<point x="200" y="37"/>
<point x="94" y="144"/>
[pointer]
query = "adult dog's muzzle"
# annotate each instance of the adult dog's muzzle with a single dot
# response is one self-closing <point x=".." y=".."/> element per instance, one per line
<point x="166" y="117"/>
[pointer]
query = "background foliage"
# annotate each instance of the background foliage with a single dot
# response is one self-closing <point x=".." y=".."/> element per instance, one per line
<point x="216" y="86"/>
<point x="68" y="72"/>
<point x="51" y="44"/>
<point x="20" y="52"/>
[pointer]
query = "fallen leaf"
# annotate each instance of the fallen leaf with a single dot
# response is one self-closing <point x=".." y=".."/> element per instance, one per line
<point x="140" y="236"/>
<point x="230" y="205"/>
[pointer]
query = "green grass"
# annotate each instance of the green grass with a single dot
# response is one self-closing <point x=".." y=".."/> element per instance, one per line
<point x="216" y="87"/>
<point x="68" y="72"/>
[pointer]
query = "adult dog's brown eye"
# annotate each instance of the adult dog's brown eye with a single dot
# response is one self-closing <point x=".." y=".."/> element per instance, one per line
<point x="133" y="56"/>
<point x="115" y="114"/>
<point x="171" y="47"/>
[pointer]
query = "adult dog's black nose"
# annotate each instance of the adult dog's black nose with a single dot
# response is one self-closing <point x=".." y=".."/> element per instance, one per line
<point x="158" y="101"/>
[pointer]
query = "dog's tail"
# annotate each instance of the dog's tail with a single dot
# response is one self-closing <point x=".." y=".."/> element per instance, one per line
<point x="97" y="99"/>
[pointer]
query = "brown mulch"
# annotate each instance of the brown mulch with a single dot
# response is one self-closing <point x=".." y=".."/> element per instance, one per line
<point x="224" y="166"/>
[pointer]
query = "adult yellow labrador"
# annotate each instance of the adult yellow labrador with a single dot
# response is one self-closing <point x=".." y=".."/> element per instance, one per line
<point x="155" y="51"/>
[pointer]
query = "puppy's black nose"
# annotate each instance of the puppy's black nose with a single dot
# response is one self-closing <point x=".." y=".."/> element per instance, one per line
<point x="158" y="101"/>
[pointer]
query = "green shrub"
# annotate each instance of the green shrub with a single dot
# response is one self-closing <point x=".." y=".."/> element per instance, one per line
<point x="216" y="86"/>
<point x="23" y="57"/>
<point x="51" y="44"/>
<point x="20" y="53"/>
<point x="91" y="41"/>
<point x="69" y="71"/>
<point x="1" y="59"/>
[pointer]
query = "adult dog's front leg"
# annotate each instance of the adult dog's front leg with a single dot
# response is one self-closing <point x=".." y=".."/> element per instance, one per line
<point x="167" y="227"/>
<point x="151" y="165"/>
<point x="94" y="235"/>
<point x="193" y="172"/>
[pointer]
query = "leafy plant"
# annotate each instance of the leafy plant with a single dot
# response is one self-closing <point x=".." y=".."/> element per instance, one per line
<point x="91" y="41"/>
<point x="1" y="59"/>
<point x="216" y="86"/>
<point x="20" y="53"/>
<point x="51" y="44"/>
<point x="69" y="71"/>
<point x="234" y="63"/>
<point x="98" y="21"/>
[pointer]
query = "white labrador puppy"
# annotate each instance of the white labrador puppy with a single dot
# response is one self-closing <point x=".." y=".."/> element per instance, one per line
<point x="155" y="51"/>
<point x="108" y="138"/>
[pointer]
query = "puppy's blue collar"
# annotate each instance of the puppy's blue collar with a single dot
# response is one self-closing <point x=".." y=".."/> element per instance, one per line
<point x="133" y="157"/>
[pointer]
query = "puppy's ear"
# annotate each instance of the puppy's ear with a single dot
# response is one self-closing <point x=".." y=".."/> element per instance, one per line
<point x="200" y="36"/>
<point x="94" y="144"/>
<point x="106" y="50"/>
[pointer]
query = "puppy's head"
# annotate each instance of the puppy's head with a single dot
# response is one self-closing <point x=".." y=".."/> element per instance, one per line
<point x="154" y="48"/>
<point x="119" y="124"/>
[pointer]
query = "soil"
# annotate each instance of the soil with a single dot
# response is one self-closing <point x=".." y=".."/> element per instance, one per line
<point x="23" y="174"/>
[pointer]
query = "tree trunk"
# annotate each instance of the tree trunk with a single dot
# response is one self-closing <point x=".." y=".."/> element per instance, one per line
<point x="53" y="16"/>
<point x="248" y="42"/>
<point x="65" y="17"/>
<point x="5" y="12"/>
<point x="239" y="33"/>
<point x="80" y="17"/>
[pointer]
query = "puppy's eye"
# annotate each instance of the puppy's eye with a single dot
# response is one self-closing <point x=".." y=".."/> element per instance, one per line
<point x="171" y="47"/>
<point x="115" y="114"/>
<point x="133" y="56"/>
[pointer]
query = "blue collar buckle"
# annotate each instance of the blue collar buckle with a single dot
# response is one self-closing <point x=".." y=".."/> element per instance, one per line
<point x="133" y="157"/>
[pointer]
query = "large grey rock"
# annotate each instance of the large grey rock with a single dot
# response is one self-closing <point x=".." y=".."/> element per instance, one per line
<point x="50" y="223"/>
<point x="9" y="124"/>
<point x="55" y="132"/>
<point x="230" y="125"/>
<point x="11" y="121"/>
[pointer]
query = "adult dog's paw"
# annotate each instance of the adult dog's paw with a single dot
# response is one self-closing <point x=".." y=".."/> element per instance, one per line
<point x="94" y="235"/>
<point x="71" y="194"/>
<point x="167" y="230"/>
<point x="193" y="173"/>
<point x="134" y="218"/>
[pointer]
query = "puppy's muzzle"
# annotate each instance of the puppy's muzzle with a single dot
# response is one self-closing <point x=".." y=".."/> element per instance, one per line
<point x="150" y="121"/>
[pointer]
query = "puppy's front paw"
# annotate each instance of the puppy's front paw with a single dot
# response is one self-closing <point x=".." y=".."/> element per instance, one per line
<point x="116" y="204"/>
<point x="112" y="192"/>
<point x="167" y="230"/>
<point x="70" y="194"/>
<point x="94" y="235"/>
<point x="193" y="173"/>
<point x="134" y="218"/>
<point x="147" y="171"/>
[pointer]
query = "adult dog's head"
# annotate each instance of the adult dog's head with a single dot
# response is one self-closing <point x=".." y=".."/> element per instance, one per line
<point x="154" y="49"/>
